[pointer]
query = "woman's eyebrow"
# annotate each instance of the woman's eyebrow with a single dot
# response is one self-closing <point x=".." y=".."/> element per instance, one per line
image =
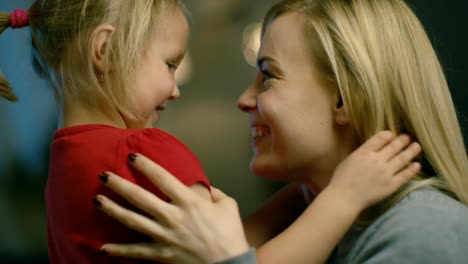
<point x="263" y="59"/>
<point x="274" y="65"/>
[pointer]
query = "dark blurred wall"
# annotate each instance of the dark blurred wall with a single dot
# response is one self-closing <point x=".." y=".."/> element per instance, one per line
<point x="445" y="22"/>
<point x="205" y="117"/>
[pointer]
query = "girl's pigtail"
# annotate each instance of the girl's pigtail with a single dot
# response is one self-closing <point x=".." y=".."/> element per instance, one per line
<point x="4" y="21"/>
<point x="6" y="91"/>
<point x="17" y="19"/>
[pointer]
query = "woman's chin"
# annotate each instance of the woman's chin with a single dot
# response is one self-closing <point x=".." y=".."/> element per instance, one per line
<point x="267" y="169"/>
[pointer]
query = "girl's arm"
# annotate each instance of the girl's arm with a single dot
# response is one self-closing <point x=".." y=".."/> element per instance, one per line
<point x="313" y="236"/>
<point x="266" y="223"/>
<point x="372" y="172"/>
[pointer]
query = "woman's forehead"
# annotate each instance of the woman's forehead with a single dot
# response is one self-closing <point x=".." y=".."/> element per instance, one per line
<point x="284" y="38"/>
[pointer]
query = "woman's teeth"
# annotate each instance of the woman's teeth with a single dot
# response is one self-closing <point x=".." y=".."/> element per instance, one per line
<point x="259" y="131"/>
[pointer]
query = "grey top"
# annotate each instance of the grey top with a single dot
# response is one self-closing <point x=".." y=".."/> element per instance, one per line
<point x="246" y="258"/>
<point x="427" y="226"/>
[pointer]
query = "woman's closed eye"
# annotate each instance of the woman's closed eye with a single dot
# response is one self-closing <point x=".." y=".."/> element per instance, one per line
<point x="266" y="77"/>
<point x="266" y="74"/>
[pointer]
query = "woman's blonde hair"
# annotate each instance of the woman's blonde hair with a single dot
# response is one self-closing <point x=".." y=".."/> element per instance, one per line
<point x="61" y="38"/>
<point x="389" y="77"/>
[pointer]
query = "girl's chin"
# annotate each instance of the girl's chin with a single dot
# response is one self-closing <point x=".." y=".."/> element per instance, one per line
<point x="152" y="120"/>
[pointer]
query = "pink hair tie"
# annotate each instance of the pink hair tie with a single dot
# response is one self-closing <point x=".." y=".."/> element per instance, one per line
<point x="19" y="18"/>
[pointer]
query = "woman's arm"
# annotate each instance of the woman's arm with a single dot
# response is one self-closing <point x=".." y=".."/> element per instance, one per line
<point x="190" y="229"/>
<point x="201" y="190"/>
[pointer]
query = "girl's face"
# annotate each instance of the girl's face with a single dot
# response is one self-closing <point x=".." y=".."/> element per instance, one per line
<point x="292" y="107"/>
<point x="155" y="81"/>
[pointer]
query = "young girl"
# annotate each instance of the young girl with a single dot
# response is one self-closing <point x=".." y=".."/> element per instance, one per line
<point x="112" y="64"/>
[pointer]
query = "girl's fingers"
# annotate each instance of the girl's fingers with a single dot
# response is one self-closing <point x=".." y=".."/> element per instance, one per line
<point x="395" y="147"/>
<point x="403" y="158"/>
<point x="138" y="196"/>
<point x="406" y="174"/>
<point x="378" y="141"/>
<point x="131" y="219"/>
<point x="163" y="180"/>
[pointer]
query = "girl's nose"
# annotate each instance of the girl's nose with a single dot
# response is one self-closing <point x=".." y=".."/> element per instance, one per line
<point x="175" y="93"/>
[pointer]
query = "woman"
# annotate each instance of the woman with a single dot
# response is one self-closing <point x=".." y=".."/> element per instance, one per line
<point x="331" y="73"/>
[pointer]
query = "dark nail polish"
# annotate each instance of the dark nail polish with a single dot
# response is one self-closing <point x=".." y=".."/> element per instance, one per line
<point x="132" y="157"/>
<point x="102" y="253"/>
<point x="104" y="177"/>
<point x="96" y="202"/>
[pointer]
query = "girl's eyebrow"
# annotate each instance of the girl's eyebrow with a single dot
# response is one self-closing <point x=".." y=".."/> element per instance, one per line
<point x="180" y="56"/>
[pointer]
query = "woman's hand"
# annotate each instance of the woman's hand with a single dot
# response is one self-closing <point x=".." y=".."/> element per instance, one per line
<point x="190" y="229"/>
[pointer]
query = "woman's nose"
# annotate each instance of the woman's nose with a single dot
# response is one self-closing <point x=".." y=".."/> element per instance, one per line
<point x="248" y="100"/>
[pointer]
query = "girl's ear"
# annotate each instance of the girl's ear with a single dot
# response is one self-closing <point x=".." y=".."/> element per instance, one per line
<point x="341" y="115"/>
<point x="100" y="39"/>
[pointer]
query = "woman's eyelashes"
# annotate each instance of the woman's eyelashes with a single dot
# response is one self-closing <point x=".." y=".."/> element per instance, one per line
<point x="266" y="74"/>
<point x="266" y="77"/>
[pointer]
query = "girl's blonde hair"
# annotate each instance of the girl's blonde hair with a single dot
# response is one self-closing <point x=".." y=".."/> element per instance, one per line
<point x="389" y="77"/>
<point x="61" y="38"/>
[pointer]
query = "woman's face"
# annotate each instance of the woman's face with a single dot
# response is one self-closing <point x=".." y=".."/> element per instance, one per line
<point x="292" y="106"/>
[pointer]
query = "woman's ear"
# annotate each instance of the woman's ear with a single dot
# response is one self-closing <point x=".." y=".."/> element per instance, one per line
<point x="100" y="39"/>
<point x="341" y="114"/>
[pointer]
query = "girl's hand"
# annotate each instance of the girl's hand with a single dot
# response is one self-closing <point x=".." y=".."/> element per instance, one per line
<point x="376" y="169"/>
<point x="190" y="229"/>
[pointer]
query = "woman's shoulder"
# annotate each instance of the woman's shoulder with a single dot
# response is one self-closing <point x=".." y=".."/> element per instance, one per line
<point x="425" y="226"/>
<point x="428" y="201"/>
<point x="423" y="207"/>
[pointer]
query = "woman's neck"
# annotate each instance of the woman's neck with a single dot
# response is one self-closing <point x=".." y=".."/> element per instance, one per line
<point x="318" y="176"/>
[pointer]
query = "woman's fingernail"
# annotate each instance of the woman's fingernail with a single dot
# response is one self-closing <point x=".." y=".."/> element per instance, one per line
<point x="132" y="157"/>
<point x="102" y="252"/>
<point x="104" y="177"/>
<point x="96" y="202"/>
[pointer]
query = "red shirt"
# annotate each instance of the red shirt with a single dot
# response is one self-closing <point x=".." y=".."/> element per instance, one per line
<point x="76" y="228"/>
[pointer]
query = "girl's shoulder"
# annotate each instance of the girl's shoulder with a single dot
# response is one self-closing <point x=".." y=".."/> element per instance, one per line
<point x="166" y="150"/>
<point x="152" y="135"/>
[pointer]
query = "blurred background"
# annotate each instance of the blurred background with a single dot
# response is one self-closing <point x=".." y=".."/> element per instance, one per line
<point x="218" y="67"/>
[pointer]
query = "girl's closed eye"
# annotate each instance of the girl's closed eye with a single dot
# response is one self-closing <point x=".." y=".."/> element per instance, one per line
<point x="172" y="66"/>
